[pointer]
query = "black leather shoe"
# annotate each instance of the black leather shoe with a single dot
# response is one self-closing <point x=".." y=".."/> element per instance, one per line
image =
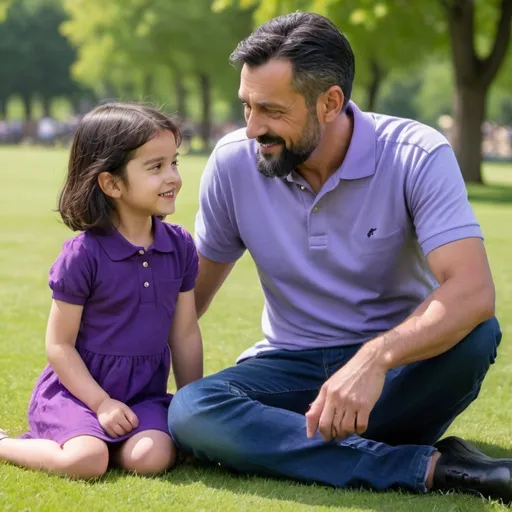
<point x="464" y="468"/>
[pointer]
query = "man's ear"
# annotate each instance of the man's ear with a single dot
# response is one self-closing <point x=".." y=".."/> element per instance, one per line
<point x="331" y="103"/>
<point x="109" y="184"/>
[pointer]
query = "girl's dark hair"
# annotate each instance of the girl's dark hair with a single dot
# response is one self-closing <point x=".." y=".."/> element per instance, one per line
<point x="105" y="140"/>
<point x="320" y="54"/>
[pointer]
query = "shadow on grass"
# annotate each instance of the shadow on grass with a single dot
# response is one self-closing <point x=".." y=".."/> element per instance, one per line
<point x="493" y="450"/>
<point x="491" y="194"/>
<point x="279" y="490"/>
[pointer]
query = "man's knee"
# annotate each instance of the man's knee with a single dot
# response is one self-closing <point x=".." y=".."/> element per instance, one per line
<point x="199" y="418"/>
<point x="480" y="345"/>
<point x="188" y="410"/>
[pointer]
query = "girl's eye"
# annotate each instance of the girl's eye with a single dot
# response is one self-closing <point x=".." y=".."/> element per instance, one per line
<point x="155" y="167"/>
<point x="175" y="163"/>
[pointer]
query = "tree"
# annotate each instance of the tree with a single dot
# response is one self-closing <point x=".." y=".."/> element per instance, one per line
<point x="395" y="28"/>
<point x="4" y="5"/>
<point x="37" y="56"/>
<point x="127" y="41"/>
<point x="474" y="75"/>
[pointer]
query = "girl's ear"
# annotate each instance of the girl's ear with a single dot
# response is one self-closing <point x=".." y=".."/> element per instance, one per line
<point x="109" y="185"/>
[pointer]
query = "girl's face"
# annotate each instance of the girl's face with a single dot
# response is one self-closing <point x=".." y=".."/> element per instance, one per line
<point x="153" y="181"/>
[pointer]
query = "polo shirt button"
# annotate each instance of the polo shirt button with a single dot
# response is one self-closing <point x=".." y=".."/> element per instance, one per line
<point x="315" y="209"/>
<point x="145" y="264"/>
<point x="141" y="251"/>
<point x="302" y="187"/>
<point x="146" y="285"/>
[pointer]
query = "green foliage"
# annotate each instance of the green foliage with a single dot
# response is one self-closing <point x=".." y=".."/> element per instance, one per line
<point x="33" y="51"/>
<point x="133" y="41"/>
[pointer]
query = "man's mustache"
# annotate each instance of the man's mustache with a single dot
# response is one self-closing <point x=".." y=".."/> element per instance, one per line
<point x="269" y="139"/>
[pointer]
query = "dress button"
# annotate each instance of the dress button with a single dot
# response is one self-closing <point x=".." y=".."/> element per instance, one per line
<point x="141" y="251"/>
<point x="315" y="209"/>
<point x="145" y="264"/>
<point x="146" y="285"/>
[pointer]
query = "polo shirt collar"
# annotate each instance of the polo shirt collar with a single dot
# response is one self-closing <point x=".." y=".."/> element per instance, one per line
<point x="119" y="248"/>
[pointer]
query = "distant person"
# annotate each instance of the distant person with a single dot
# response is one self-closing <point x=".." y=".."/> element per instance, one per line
<point x="378" y="322"/>
<point x="47" y="130"/>
<point x="122" y="302"/>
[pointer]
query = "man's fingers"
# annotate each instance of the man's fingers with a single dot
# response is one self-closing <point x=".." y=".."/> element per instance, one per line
<point x="348" y="424"/>
<point x="326" y="420"/>
<point x="362" y="419"/>
<point x="314" y="413"/>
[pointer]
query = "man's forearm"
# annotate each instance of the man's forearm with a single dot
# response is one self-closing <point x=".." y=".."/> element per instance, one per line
<point x="211" y="276"/>
<point x="447" y="315"/>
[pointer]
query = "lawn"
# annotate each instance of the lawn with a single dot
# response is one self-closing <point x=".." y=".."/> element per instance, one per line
<point x="31" y="237"/>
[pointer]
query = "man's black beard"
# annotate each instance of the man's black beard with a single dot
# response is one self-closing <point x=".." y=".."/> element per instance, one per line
<point x="283" y="164"/>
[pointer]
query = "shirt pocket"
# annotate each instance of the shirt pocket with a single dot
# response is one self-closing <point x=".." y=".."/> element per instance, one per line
<point x="167" y="292"/>
<point x="376" y="244"/>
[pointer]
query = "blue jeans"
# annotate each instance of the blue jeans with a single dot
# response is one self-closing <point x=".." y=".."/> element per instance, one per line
<point x="250" y="417"/>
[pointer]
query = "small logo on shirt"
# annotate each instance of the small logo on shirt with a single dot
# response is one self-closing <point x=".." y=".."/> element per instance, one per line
<point x="371" y="232"/>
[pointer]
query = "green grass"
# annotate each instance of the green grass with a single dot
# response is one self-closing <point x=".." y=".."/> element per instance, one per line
<point x="30" y="239"/>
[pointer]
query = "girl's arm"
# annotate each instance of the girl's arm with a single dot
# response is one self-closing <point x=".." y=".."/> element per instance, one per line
<point x="61" y="333"/>
<point x="185" y="341"/>
<point x="115" y="417"/>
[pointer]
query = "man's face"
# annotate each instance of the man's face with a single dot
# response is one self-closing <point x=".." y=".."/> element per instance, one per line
<point x="278" y="118"/>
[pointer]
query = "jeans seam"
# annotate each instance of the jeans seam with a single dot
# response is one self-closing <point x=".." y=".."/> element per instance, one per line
<point x="262" y="392"/>
<point x="325" y="365"/>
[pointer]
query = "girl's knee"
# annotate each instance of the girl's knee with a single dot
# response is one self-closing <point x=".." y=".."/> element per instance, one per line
<point x="87" y="464"/>
<point x="150" y="455"/>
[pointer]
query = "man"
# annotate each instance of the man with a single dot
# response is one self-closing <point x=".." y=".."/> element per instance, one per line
<point x="379" y="303"/>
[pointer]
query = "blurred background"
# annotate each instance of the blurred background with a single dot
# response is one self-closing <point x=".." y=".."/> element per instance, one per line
<point x="447" y="63"/>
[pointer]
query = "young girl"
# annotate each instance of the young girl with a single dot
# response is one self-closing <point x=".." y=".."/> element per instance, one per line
<point x="122" y="302"/>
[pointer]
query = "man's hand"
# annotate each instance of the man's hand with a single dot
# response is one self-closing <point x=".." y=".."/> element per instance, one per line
<point x="345" y="401"/>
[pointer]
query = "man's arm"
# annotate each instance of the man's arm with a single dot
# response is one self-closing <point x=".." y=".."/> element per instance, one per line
<point x="464" y="299"/>
<point x="211" y="277"/>
<point x="450" y="237"/>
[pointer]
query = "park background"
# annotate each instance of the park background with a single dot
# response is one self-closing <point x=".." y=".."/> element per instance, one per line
<point x="446" y="63"/>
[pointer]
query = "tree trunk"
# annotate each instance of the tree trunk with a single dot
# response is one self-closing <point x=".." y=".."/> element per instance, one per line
<point x="27" y="103"/>
<point x="205" y="129"/>
<point x="377" y="76"/>
<point x="181" y="96"/>
<point x="469" y="110"/>
<point x="473" y="78"/>
<point x="3" y="108"/>
<point x="47" y="107"/>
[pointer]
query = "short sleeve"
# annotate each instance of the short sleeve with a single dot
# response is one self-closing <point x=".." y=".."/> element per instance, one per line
<point x="216" y="231"/>
<point x="438" y="202"/>
<point x="71" y="274"/>
<point x="191" y="264"/>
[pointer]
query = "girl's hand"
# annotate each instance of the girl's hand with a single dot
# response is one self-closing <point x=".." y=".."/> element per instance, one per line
<point x="116" y="418"/>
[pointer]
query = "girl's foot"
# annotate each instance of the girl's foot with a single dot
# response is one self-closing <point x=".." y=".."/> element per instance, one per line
<point x="3" y="434"/>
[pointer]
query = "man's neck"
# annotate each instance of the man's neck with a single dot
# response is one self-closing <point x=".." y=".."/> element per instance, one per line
<point x="330" y="152"/>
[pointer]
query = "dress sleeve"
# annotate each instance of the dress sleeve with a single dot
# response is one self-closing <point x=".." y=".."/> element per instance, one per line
<point x="71" y="274"/>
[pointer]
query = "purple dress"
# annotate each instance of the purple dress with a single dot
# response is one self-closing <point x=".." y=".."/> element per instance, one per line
<point x="129" y="296"/>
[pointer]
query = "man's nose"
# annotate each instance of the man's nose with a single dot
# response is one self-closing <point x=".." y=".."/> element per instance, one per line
<point x="255" y="128"/>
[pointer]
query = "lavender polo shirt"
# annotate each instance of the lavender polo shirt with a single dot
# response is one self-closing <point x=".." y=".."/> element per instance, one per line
<point x="341" y="266"/>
